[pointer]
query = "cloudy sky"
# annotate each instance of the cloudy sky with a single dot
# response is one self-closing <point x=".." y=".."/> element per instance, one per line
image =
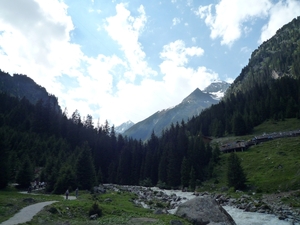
<point x="125" y="60"/>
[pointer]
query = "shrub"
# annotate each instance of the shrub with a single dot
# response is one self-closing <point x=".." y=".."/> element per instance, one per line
<point x="95" y="210"/>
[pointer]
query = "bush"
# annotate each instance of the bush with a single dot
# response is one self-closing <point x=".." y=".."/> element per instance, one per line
<point x="95" y="210"/>
<point x="161" y="185"/>
<point x="146" y="182"/>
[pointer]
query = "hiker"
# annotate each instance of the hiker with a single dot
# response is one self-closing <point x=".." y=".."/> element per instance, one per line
<point x="67" y="194"/>
<point x="76" y="192"/>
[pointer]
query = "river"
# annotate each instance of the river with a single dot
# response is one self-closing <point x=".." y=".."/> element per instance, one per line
<point x="240" y="217"/>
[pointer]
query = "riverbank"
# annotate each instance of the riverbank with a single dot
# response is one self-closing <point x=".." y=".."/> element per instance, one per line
<point x="245" y="210"/>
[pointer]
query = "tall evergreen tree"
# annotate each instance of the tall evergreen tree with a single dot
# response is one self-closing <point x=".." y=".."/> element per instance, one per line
<point x="66" y="180"/>
<point x="235" y="174"/>
<point x="25" y="174"/>
<point x="185" y="176"/>
<point x="85" y="170"/>
<point x="192" y="182"/>
<point x="4" y="175"/>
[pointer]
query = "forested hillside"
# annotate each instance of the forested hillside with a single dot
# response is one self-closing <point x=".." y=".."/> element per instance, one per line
<point x="21" y="86"/>
<point x="69" y="151"/>
<point x="72" y="152"/>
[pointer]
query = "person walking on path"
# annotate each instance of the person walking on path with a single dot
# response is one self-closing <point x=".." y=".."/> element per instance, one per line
<point x="76" y="192"/>
<point x="67" y="194"/>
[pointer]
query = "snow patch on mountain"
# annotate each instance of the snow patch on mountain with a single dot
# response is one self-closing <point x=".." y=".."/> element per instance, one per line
<point x="123" y="127"/>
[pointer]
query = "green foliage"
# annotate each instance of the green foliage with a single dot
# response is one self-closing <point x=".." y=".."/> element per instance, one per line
<point x="192" y="182"/>
<point x="235" y="173"/>
<point x="95" y="209"/>
<point x="25" y="173"/>
<point x="185" y="173"/>
<point x="146" y="182"/>
<point x="65" y="180"/>
<point x="85" y="171"/>
<point x="4" y="175"/>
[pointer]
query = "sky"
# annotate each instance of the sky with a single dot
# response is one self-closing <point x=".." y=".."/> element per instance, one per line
<point x="125" y="60"/>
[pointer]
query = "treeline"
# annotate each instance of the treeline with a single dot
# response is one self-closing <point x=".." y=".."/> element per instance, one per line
<point x="39" y="143"/>
<point x="65" y="151"/>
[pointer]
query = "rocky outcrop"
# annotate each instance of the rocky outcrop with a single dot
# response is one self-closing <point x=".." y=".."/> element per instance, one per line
<point x="204" y="210"/>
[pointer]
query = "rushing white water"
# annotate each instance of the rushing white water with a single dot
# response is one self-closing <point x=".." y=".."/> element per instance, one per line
<point x="251" y="218"/>
<point x="240" y="217"/>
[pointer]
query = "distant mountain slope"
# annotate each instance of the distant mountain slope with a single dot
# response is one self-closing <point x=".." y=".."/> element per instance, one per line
<point x="20" y="86"/>
<point x="123" y="127"/>
<point x="275" y="58"/>
<point x="191" y="106"/>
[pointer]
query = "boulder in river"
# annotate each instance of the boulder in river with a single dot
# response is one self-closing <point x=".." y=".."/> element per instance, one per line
<point x="204" y="210"/>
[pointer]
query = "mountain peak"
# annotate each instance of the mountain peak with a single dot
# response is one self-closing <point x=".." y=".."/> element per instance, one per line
<point x="123" y="127"/>
<point x="195" y="95"/>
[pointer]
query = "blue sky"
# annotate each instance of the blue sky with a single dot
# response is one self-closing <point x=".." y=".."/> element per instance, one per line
<point x="125" y="60"/>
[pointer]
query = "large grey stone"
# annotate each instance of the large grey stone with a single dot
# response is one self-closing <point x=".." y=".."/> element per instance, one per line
<point x="204" y="210"/>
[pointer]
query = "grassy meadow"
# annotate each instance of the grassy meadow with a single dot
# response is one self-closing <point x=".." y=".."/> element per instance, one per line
<point x="270" y="166"/>
<point x="116" y="208"/>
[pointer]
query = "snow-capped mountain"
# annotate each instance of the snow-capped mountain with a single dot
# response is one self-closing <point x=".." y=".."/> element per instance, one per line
<point x="190" y="106"/>
<point x="217" y="89"/>
<point x="123" y="127"/>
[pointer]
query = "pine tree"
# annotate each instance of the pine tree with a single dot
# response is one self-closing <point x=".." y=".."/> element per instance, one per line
<point x="4" y="175"/>
<point x="25" y="174"/>
<point x="235" y="174"/>
<point x="192" y="179"/>
<point x="185" y="176"/>
<point x="85" y="170"/>
<point x="66" y="180"/>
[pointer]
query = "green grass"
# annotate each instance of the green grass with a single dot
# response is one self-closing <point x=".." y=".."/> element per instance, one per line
<point x="271" y="166"/>
<point x="277" y="126"/>
<point x="119" y="209"/>
<point x="11" y="201"/>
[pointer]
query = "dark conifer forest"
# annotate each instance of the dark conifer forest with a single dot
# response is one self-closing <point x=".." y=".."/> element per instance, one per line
<point x="37" y="141"/>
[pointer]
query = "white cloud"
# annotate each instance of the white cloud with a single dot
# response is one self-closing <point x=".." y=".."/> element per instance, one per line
<point x="280" y="14"/>
<point x="226" y="18"/>
<point x="176" y="21"/>
<point x="125" y="30"/>
<point x="35" y="40"/>
<point x="178" y="77"/>
<point x="177" y="52"/>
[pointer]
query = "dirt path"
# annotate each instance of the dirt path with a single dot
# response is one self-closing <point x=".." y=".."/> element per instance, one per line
<point x="26" y="214"/>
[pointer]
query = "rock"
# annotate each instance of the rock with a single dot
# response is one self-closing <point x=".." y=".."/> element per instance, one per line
<point x="204" y="210"/>
<point x="158" y="212"/>
<point x="107" y="200"/>
<point x="93" y="217"/>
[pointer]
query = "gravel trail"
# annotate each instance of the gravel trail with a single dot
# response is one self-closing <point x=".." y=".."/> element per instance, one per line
<point x="26" y="214"/>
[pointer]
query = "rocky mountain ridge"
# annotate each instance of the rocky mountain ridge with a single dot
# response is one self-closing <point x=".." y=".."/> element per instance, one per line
<point x="190" y="106"/>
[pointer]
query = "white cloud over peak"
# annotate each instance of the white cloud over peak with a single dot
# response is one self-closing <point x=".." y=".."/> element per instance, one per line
<point x="281" y="13"/>
<point x="226" y="18"/>
<point x="178" y="53"/>
<point x="177" y="74"/>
